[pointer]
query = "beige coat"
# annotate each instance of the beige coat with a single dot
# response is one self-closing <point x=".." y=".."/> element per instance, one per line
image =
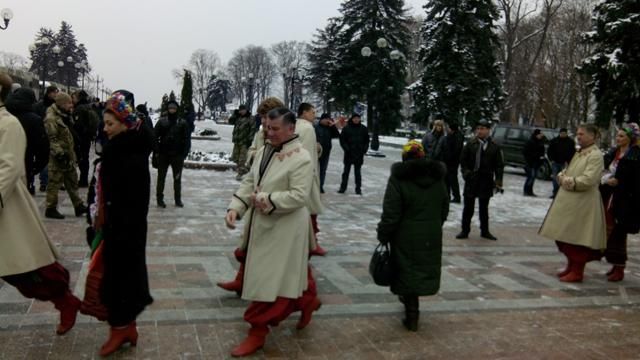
<point x="24" y="244"/>
<point x="307" y="134"/>
<point x="576" y="216"/>
<point x="257" y="144"/>
<point x="277" y="239"/>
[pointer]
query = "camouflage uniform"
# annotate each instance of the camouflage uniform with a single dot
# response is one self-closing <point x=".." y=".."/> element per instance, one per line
<point x="243" y="133"/>
<point x="62" y="157"/>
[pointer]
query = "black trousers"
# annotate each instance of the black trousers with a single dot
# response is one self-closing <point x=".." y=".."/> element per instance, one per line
<point x="176" y="162"/>
<point x="345" y="175"/>
<point x="453" y="186"/>
<point x="82" y="155"/>
<point x="469" y="208"/>
<point x="324" y="164"/>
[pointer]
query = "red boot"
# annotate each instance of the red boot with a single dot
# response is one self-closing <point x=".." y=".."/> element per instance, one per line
<point x="118" y="337"/>
<point x="68" y="305"/>
<point x="318" y="251"/>
<point x="566" y="270"/>
<point x="308" y="310"/>
<point x="616" y="273"/>
<point x="236" y="284"/>
<point x="252" y="343"/>
<point x="575" y="274"/>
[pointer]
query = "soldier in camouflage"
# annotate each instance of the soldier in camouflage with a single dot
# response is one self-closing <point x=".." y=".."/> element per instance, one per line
<point x="242" y="137"/>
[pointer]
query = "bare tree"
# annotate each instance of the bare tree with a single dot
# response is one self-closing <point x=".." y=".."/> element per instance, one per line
<point x="289" y="58"/>
<point x="251" y="71"/>
<point x="13" y="61"/>
<point x="203" y="64"/>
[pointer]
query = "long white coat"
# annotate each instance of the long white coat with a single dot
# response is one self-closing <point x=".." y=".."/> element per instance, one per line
<point x="24" y="244"/>
<point x="576" y="216"/>
<point x="277" y="240"/>
<point x="307" y="134"/>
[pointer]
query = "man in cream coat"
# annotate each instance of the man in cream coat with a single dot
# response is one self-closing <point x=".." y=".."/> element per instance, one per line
<point x="273" y="199"/>
<point x="27" y="256"/>
<point x="307" y="134"/>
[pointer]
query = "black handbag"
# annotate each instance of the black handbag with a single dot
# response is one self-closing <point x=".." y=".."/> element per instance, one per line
<point x="380" y="265"/>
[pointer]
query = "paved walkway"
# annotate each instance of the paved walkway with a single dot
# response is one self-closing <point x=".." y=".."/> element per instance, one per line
<point x="498" y="299"/>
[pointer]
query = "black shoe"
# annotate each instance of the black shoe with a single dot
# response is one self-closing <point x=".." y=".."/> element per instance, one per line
<point x="81" y="209"/>
<point x="161" y="204"/>
<point x="52" y="213"/>
<point x="43" y="188"/>
<point x="32" y="189"/>
<point x="487" y="235"/>
<point x="321" y="191"/>
<point x="341" y="191"/>
<point x="358" y="192"/>
<point x="179" y="203"/>
<point x="410" y="322"/>
<point x="552" y="197"/>
<point x="462" y="235"/>
<point x="455" y="201"/>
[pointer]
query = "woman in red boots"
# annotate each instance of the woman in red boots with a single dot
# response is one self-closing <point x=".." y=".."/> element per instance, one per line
<point x="124" y="185"/>
<point x="27" y="256"/>
<point x="620" y="191"/>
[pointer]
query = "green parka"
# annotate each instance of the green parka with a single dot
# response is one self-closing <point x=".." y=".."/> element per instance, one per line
<point x="416" y="204"/>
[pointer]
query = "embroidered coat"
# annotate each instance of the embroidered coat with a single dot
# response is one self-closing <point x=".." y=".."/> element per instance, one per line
<point x="276" y="239"/>
<point x="576" y="215"/>
<point x="307" y="134"/>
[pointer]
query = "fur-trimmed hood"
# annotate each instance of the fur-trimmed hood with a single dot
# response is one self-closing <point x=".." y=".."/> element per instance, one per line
<point x="423" y="172"/>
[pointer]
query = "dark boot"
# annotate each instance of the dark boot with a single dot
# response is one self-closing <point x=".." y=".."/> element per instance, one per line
<point x="80" y="209"/>
<point x="68" y="305"/>
<point x="160" y="202"/>
<point x="252" y="343"/>
<point x="308" y="310"/>
<point x="487" y="235"/>
<point x="576" y="272"/>
<point x="462" y="235"/>
<point x="236" y="284"/>
<point x="616" y="273"/>
<point x="179" y="203"/>
<point x="52" y="213"/>
<point x="412" y="312"/>
<point x="119" y="336"/>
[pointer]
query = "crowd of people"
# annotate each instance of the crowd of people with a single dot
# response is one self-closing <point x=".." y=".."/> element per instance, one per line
<point x="282" y="159"/>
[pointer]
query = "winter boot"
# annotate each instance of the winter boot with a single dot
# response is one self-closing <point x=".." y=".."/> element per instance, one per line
<point x="487" y="235"/>
<point x="412" y="312"/>
<point x="307" y="311"/>
<point x="616" y="273"/>
<point x="179" y="203"/>
<point x="68" y="305"/>
<point x="236" y="284"/>
<point x="119" y="336"/>
<point x="576" y="272"/>
<point x="566" y="270"/>
<point x="52" y="213"/>
<point x="160" y="202"/>
<point x="318" y="251"/>
<point x="81" y="209"/>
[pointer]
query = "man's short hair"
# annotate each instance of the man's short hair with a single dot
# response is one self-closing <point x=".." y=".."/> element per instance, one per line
<point x="304" y="107"/>
<point x="269" y="104"/>
<point x="51" y="89"/>
<point x="5" y="86"/>
<point x="288" y="117"/>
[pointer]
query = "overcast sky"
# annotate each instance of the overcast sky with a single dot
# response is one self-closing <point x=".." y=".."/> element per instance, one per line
<point x="135" y="44"/>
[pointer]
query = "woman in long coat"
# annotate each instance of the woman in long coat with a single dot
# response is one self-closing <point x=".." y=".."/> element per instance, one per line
<point x="124" y="185"/>
<point x="416" y="204"/>
<point x="28" y="259"/>
<point x="620" y="191"/>
<point x="576" y="216"/>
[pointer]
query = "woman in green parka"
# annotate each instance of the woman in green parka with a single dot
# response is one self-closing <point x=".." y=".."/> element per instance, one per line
<point x="416" y="204"/>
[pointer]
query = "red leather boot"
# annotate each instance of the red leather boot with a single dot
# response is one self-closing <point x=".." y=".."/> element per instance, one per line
<point x="318" y="251"/>
<point x="252" y="343"/>
<point x="68" y="305"/>
<point x="616" y="273"/>
<point x="566" y="270"/>
<point x="119" y="336"/>
<point x="576" y="273"/>
<point x="236" y="284"/>
<point x="307" y="311"/>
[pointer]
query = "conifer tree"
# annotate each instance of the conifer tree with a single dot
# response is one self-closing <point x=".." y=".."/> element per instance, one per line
<point x="186" y="96"/>
<point x="461" y="76"/>
<point x="614" y="67"/>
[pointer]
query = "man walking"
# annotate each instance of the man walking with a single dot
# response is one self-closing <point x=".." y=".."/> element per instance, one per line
<point x="533" y="156"/>
<point x="171" y="134"/>
<point x="454" y="142"/>
<point x="354" y="140"/>
<point x="242" y="136"/>
<point x="482" y="167"/>
<point x="326" y="131"/>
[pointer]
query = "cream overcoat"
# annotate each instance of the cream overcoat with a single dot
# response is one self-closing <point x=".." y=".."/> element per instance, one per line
<point x="24" y="244"/>
<point x="307" y="134"/>
<point x="576" y="216"/>
<point x="276" y="240"/>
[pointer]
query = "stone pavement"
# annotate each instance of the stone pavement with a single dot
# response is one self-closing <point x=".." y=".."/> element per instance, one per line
<point x="498" y="299"/>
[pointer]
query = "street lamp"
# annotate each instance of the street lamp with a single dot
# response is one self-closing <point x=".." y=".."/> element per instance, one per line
<point x="366" y="52"/>
<point x="56" y="50"/>
<point x="6" y="15"/>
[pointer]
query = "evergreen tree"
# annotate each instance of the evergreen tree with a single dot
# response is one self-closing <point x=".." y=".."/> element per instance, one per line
<point x="66" y="39"/>
<point x="218" y="93"/>
<point x="377" y="79"/>
<point x="186" y="96"/>
<point x="322" y="57"/>
<point x="461" y="76"/>
<point x="42" y="57"/>
<point x="163" y="105"/>
<point x="614" y="67"/>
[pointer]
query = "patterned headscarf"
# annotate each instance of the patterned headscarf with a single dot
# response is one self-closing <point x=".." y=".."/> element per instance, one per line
<point x="412" y="150"/>
<point x="633" y="132"/>
<point x="118" y="106"/>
